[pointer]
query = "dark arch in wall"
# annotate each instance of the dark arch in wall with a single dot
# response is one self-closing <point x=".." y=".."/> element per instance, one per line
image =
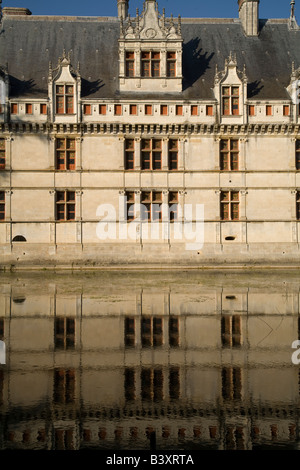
<point x="19" y="238"/>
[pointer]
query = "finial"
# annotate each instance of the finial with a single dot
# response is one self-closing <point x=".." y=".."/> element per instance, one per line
<point x="179" y="24"/>
<point x="293" y="8"/>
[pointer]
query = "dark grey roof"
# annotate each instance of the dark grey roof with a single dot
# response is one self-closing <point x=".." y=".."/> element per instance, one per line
<point x="28" y="44"/>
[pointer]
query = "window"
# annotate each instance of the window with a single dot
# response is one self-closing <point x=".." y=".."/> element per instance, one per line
<point x="64" y="386"/>
<point x="43" y="108"/>
<point x="231" y="330"/>
<point x="148" y="110"/>
<point x="173" y="205"/>
<point x="150" y="64"/>
<point x="129" y="154"/>
<point x="174" y="332"/>
<point x="129" y="64"/>
<point x="2" y="154"/>
<point x="133" y="109"/>
<point x="129" y="384"/>
<point x="102" y="109"/>
<point x="230" y="100"/>
<point x="28" y="108"/>
<point x="152" y="384"/>
<point x="129" y="332"/>
<point x="251" y="110"/>
<point x="151" y="206"/>
<point x="14" y="108"/>
<point x="64" y="333"/>
<point x="65" y="154"/>
<point x="130" y="199"/>
<point x="286" y="110"/>
<point x="65" y="205"/>
<point x="229" y="154"/>
<point x="171" y="64"/>
<point x="269" y="110"/>
<point x="194" y="110"/>
<point x="64" y="439"/>
<point x="87" y="109"/>
<point x="1" y="329"/>
<point x="209" y="110"/>
<point x="64" y="99"/>
<point x="1" y="108"/>
<point x="151" y="331"/>
<point x="151" y="153"/>
<point x="297" y="205"/>
<point x="179" y="110"/>
<point x="2" y="205"/>
<point x="231" y="383"/>
<point x="173" y="154"/>
<point x="229" y="205"/>
<point x="298" y="154"/>
<point x="164" y="110"/>
<point x="118" y="110"/>
<point x="174" y="383"/>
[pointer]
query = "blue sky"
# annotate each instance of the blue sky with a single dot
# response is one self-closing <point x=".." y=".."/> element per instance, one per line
<point x="186" y="8"/>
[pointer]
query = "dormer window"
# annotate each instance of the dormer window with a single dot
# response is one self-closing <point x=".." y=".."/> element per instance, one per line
<point x="129" y="64"/>
<point x="230" y="100"/>
<point x="171" y="64"/>
<point x="150" y="64"/>
<point x="64" y="99"/>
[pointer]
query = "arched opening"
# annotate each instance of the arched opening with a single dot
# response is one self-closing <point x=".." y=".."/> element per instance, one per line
<point x="19" y="238"/>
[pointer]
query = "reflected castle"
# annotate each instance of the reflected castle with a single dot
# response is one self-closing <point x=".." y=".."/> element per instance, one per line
<point x="136" y="361"/>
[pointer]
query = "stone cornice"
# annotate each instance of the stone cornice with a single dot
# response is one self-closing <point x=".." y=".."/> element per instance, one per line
<point x="151" y="129"/>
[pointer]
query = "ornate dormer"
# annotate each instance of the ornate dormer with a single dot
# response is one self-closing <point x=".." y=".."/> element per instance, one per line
<point x="231" y="92"/>
<point x="4" y="91"/>
<point x="150" y="52"/>
<point x="294" y="91"/>
<point x="64" y="91"/>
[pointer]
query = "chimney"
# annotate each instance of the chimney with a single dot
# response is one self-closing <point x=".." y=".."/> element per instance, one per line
<point x="12" y="11"/>
<point x="249" y="16"/>
<point x="123" y="6"/>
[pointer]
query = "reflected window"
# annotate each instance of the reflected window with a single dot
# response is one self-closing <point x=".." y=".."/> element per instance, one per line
<point x="151" y="331"/>
<point x="231" y="331"/>
<point x="174" y="332"/>
<point x="231" y="383"/>
<point x="129" y="384"/>
<point x="174" y="383"/>
<point x="234" y="438"/>
<point x="152" y="384"/>
<point x="64" y="333"/>
<point x="64" y="439"/>
<point x="64" y="386"/>
<point x="129" y="332"/>
<point x="1" y="386"/>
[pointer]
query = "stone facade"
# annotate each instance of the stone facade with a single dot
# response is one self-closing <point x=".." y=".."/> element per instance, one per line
<point x="149" y="140"/>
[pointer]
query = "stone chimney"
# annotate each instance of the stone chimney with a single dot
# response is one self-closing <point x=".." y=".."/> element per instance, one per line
<point x="249" y="16"/>
<point x="123" y="6"/>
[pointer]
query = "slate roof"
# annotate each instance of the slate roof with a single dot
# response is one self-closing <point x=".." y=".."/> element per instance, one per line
<point x="28" y="44"/>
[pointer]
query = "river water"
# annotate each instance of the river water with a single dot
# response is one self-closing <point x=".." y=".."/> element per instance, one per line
<point x="136" y="360"/>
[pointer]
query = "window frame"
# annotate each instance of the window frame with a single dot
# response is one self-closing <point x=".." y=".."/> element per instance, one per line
<point x="173" y="151"/>
<point x="297" y="154"/>
<point x="171" y="68"/>
<point x="150" y="64"/>
<point x="151" y="151"/>
<point x="2" y="153"/>
<point x="67" y="151"/>
<point x="231" y="154"/>
<point x="231" y="203"/>
<point x="2" y="206"/>
<point x="65" y="99"/>
<point x="130" y="64"/>
<point x="230" y="98"/>
<point x="129" y="154"/>
<point x="66" y="203"/>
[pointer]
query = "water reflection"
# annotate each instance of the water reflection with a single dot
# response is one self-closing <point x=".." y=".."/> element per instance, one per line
<point x="160" y="360"/>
